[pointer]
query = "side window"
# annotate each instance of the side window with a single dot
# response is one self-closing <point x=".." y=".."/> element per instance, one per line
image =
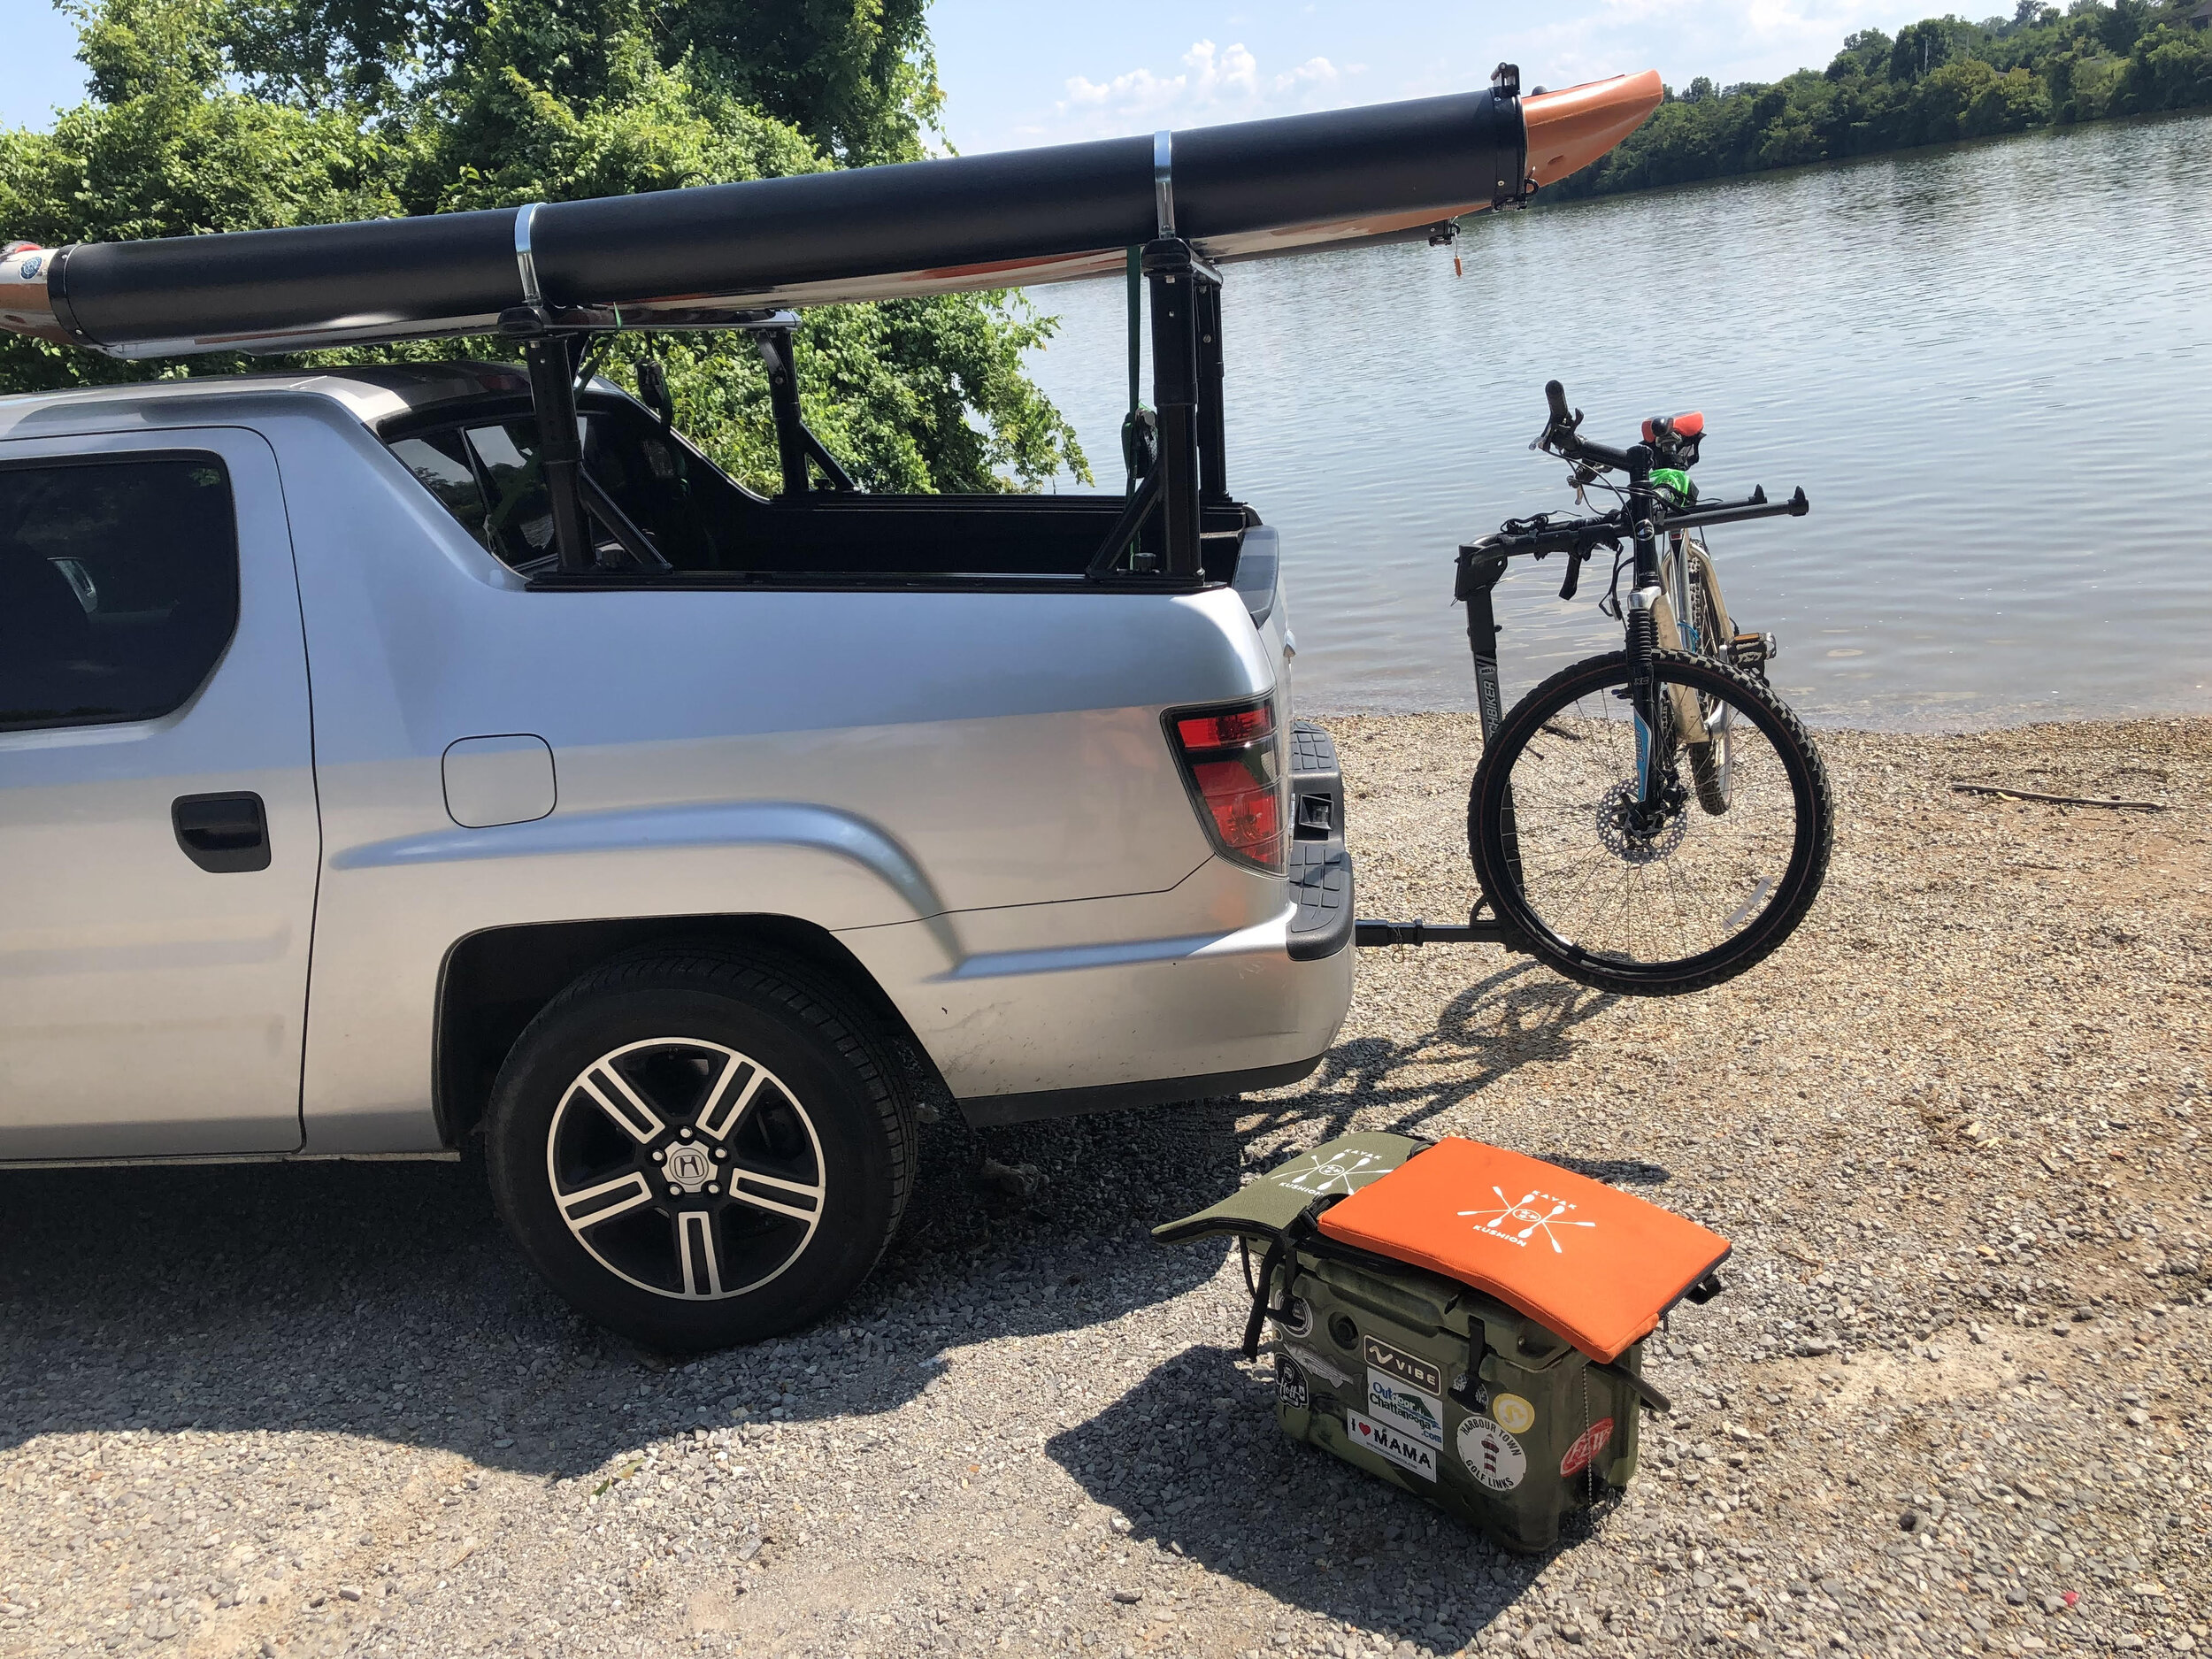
<point x="438" y="459"/>
<point x="520" y="526"/>
<point x="118" y="586"/>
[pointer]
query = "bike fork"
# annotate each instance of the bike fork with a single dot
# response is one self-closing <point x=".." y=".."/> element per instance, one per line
<point x="1645" y="696"/>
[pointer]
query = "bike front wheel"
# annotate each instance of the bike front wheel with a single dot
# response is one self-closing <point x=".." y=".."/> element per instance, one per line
<point x="1648" y="897"/>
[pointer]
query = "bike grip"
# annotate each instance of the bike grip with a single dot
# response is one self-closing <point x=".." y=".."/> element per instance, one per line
<point x="1556" y="395"/>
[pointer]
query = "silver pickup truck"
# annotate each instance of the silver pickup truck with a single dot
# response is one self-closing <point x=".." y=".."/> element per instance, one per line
<point x="339" y="824"/>
<point x="392" y="755"/>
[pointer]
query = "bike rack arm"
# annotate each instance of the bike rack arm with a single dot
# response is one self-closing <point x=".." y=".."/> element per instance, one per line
<point x="1474" y="931"/>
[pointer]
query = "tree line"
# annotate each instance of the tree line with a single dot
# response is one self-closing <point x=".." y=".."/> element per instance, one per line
<point x="216" y="115"/>
<point x="1932" y="83"/>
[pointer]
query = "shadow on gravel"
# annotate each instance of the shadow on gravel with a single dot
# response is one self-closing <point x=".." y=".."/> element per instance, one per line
<point x="385" y="1301"/>
<point x="1192" y="1458"/>
<point x="1518" y="1014"/>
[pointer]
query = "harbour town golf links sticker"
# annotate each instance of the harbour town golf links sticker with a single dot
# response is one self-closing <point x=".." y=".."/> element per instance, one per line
<point x="1290" y="1384"/>
<point x="1514" y="1414"/>
<point x="1491" y="1456"/>
<point x="1340" y="1173"/>
<point x="1517" y="1223"/>
<point x="1587" y="1444"/>
<point x="1405" y="1367"/>
<point x="1386" y="1441"/>
<point x="1317" y="1365"/>
<point x="1409" y="1411"/>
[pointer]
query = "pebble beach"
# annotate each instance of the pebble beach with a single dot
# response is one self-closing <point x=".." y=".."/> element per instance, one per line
<point x="1955" y="1398"/>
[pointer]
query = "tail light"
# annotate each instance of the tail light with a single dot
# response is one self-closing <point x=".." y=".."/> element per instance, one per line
<point x="1233" y="760"/>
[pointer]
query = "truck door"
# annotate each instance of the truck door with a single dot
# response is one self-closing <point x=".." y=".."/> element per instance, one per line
<point x="158" y="837"/>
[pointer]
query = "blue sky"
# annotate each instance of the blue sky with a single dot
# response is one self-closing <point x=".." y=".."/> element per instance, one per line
<point x="1028" y="73"/>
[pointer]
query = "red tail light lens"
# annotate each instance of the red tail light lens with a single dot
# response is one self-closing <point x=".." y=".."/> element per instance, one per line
<point x="1233" y="758"/>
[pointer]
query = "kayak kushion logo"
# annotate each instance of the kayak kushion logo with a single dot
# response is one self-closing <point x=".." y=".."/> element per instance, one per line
<point x="1517" y="1223"/>
<point x="1340" y="1173"/>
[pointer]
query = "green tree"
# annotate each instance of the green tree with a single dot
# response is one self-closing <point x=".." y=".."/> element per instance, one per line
<point x="208" y="115"/>
<point x="1937" y="80"/>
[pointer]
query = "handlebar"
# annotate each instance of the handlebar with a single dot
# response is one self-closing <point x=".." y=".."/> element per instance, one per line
<point x="1559" y="435"/>
<point x="1579" y="535"/>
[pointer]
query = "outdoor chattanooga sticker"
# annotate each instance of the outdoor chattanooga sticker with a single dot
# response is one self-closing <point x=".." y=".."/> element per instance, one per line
<point x="1386" y="1441"/>
<point x="1587" y="1444"/>
<point x="1406" y="1410"/>
<point x="1491" y="1456"/>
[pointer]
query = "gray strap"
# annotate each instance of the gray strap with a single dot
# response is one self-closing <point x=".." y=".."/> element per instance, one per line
<point x="1164" y="180"/>
<point x="524" y="262"/>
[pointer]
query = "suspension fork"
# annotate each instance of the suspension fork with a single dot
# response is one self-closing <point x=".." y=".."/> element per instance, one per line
<point x="1654" y="743"/>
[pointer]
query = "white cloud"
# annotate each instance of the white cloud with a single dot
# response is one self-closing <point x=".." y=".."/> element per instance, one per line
<point x="1218" y="83"/>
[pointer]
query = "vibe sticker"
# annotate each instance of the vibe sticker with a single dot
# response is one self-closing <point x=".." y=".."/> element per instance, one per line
<point x="1403" y="1366"/>
<point x="1491" y="1456"/>
<point x="1290" y="1385"/>
<point x="1407" y="1410"/>
<point x="1587" y="1444"/>
<point x="1327" y="1369"/>
<point x="1514" y="1414"/>
<point x="1530" y="1216"/>
<point x="1386" y="1441"/>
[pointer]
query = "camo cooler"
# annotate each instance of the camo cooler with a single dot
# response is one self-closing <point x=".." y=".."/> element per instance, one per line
<point x="1462" y="1321"/>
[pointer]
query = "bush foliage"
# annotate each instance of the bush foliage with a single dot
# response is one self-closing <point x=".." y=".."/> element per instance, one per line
<point x="214" y="115"/>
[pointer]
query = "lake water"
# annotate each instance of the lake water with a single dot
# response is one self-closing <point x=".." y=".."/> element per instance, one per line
<point x="1989" y="365"/>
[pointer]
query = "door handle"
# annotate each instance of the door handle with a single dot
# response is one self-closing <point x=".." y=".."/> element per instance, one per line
<point x="222" y="833"/>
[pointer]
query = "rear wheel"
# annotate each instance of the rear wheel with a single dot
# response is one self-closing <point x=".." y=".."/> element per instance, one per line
<point x="1647" y="900"/>
<point x="699" y="1149"/>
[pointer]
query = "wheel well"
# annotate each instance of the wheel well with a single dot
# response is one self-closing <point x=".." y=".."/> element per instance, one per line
<point x="495" y="982"/>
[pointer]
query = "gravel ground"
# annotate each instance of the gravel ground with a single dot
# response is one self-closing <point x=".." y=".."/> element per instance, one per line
<point x="1956" y="1399"/>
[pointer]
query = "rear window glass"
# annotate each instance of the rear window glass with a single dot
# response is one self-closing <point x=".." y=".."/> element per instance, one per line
<point x="486" y="476"/>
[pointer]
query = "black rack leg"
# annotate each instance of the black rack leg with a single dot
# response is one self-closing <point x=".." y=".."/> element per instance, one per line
<point x="560" y="447"/>
<point x="1168" y="270"/>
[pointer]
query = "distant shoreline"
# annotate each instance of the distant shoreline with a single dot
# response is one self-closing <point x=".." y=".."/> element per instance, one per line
<point x="1935" y="82"/>
<point x="1553" y="198"/>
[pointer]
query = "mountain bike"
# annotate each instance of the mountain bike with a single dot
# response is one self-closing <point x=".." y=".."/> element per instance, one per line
<point x="1653" y="820"/>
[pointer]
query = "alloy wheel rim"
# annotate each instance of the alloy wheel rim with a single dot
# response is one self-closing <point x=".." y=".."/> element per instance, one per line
<point x="686" y="1168"/>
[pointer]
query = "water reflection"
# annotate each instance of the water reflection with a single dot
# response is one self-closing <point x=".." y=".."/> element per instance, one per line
<point x="1987" y="365"/>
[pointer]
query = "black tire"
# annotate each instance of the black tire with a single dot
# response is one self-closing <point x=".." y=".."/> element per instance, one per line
<point x="1573" y="836"/>
<point x="729" y="1132"/>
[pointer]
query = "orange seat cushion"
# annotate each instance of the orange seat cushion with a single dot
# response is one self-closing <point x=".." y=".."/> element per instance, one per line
<point x="1597" y="1265"/>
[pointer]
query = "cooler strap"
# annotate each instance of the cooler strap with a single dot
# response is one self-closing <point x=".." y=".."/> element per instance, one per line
<point x="1269" y="1262"/>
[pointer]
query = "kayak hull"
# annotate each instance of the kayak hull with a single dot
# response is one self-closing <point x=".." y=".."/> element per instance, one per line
<point x="698" y="258"/>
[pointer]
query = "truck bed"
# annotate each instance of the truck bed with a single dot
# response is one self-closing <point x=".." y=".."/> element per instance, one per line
<point x="704" y="528"/>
